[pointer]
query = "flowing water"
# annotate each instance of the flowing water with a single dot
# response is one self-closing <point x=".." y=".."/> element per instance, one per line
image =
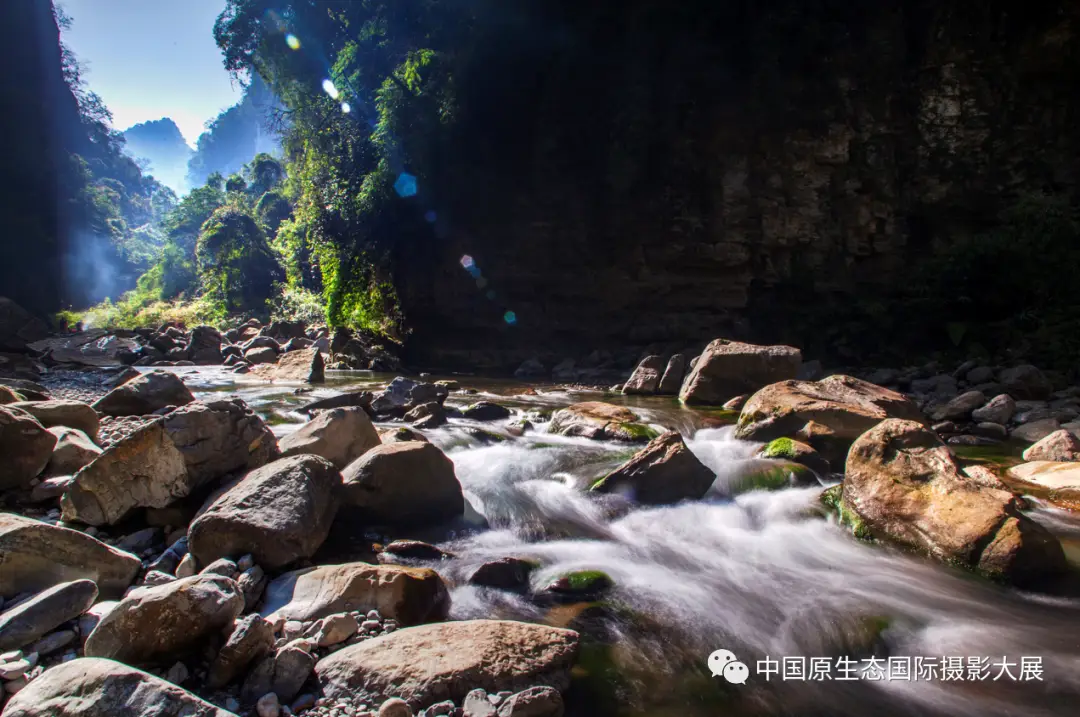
<point x="761" y="574"/>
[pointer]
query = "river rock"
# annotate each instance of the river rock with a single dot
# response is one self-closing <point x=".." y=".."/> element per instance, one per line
<point x="401" y="484"/>
<point x="1036" y="430"/>
<point x="541" y="701"/>
<point x="219" y="437"/>
<point x="663" y="472"/>
<point x="999" y="409"/>
<point x="340" y="435"/>
<point x="787" y="449"/>
<point x="646" y="377"/>
<point x="828" y="414"/>
<point x="1025" y="383"/>
<point x="279" y="513"/>
<point x="427" y="415"/>
<point x="448" y="660"/>
<point x="261" y="355"/>
<point x="485" y="411"/>
<point x="1058" y="446"/>
<point x="504" y="574"/>
<point x="904" y="486"/>
<point x="673" y="376"/>
<point x="342" y="400"/>
<point x="25" y="446"/>
<point x="142" y="396"/>
<point x="729" y="368"/>
<point x="292" y="666"/>
<point x="93" y="687"/>
<point x="143" y="469"/>
<point x="600" y="421"/>
<point x="74" y="450"/>
<point x="299" y="365"/>
<point x="38" y="555"/>
<point x="36" y="617"/>
<point x="204" y="349"/>
<point x="408" y="595"/>
<point x="164" y="621"/>
<point x="251" y="639"/>
<point x="960" y="408"/>
<point x="73" y="414"/>
<point x="1061" y="479"/>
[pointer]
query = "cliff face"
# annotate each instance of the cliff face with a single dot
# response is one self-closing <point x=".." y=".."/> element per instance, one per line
<point x="686" y="176"/>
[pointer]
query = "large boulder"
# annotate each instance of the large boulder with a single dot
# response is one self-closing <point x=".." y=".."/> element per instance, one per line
<point x="409" y="595"/>
<point x="142" y="470"/>
<point x="340" y="435"/>
<point x="402" y="394"/>
<point x="730" y="368"/>
<point x="160" y="622"/>
<point x="25" y="446"/>
<point x="204" y="349"/>
<point x="36" y="555"/>
<point x="1060" y="445"/>
<point x="298" y="365"/>
<point x="73" y="414"/>
<point x="278" y="513"/>
<point x="646" y="377"/>
<point x="672" y="380"/>
<point x="447" y="660"/>
<point x="18" y="327"/>
<point x="46" y="611"/>
<point x="141" y="396"/>
<point x="665" y="471"/>
<point x="219" y="437"/>
<point x="74" y="450"/>
<point x="93" y="687"/>
<point x="999" y="409"/>
<point x="600" y="421"/>
<point x="828" y="414"/>
<point x="401" y="484"/>
<point x="1025" y="383"/>
<point x="902" y="485"/>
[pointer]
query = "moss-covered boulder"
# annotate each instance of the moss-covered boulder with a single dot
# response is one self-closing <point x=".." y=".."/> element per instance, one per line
<point x="577" y="586"/>
<point x="601" y="421"/>
<point x="788" y="449"/>
<point x="764" y="474"/>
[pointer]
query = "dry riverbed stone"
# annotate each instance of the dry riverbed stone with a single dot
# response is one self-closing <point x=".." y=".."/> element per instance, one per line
<point x="25" y="446"/>
<point x="142" y="396"/>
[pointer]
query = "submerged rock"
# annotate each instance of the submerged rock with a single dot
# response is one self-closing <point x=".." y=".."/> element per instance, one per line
<point x="485" y="411"/>
<point x="504" y="574"/>
<point x="729" y="368"/>
<point x="601" y="421"/>
<point x="665" y="471"/>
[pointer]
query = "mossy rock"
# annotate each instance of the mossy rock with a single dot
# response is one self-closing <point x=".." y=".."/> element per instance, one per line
<point x="577" y="586"/>
<point x="832" y="500"/>
<point x="635" y="432"/>
<point x="771" y="475"/>
<point x="783" y="448"/>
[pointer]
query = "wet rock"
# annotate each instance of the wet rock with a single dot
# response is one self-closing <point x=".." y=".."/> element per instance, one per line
<point x="960" y="408"/>
<point x="90" y="687"/>
<point x="904" y="486"/>
<point x="278" y="513"/>
<point x="36" y="617"/>
<point x="300" y="365"/>
<point x="729" y="368"/>
<point x="219" y="437"/>
<point x="1059" y="480"/>
<point x="1036" y="430"/>
<point x="601" y="421"/>
<point x="25" y="446"/>
<point x="999" y="409"/>
<point x="362" y="399"/>
<point x="448" y="660"/>
<point x="412" y="550"/>
<point x="534" y="702"/>
<point x="736" y="403"/>
<point x="163" y="621"/>
<point x="74" y="450"/>
<point x="340" y="435"/>
<point x="485" y="411"/>
<point x="646" y="377"/>
<point x="408" y="595"/>
<point x="787" y="449"/>
<point x="204" y="348"/>
<point x="1026" y="383"/>
<point x="38" y="555"/>
<point x="144" y="395"/>
<point x="251" y="639"/>
<point x="504" y="574"/>
<point x="663" y="472"/>
<point x="577" y="586"/>
<point x="427" y="415"/>
<point x="1057" y="446"/>
<point x="402" y="483"/>
<point x="71" y="414"/>
<point x="673" y="376"/>
<point x="144" y="469"/>
<point x="828" y="414"/>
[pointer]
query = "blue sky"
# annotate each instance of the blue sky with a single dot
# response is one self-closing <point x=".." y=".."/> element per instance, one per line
<point x="150" y="59"/>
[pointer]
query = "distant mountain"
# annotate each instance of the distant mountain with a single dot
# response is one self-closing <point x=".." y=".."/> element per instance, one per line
<point x="236" y="135"/>
<point x="161" y="143"/>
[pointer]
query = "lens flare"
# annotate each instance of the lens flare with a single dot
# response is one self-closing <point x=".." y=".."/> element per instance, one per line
<point x="467" y="262"/>
<point x="430" y="217"/>
<point x="292" y="41"/>
<point x="330" y="89"/>
<point x="510" y="317"/>
<point x="346" y="108"/>
<point x="405" y="185"/>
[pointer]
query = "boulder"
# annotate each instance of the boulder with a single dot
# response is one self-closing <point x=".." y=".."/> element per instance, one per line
<point x="25" y="446"/>
<point x="401" y="484"/>
<point x="260" y="342"/>
<point x="74" y="450"/>
<point x="447" y="660"/>
<point x="1057" y="480"/>
<point x="402" y="394"/>
<point x="299" y="365"/>
<point x="601" y="421"/>
<point x="1025" y="383"/>
<point x="787" y="449"/>
<point x="204" y="349"/>
<point x="141" y="470"/>
<point x="504" y="574"/>
<point x="262" y="354"/>
<point x="362" y="399"/>
<point x="999" y="409"/>
<point x="1036" y="430"/>
<point x="663" y="472"/>
<point x="542" y="701"/>
<point x="163" y="622"/>
<point x="961" y="407"/>
<point x="729" y="368"/>
<point x="1058" y="446"/>
<point x="92" y="687"/>
<point x="279" y="513"/>
<point x="18" y="327"/>
<point x="673" y="376"/>
<point x="340" y="435"/>
<point x="38" y="555"/>
<point x="219" y="437"/>
<point x="284" y="330"/>
<point x="828" y="414"/>
<point x="903" y="485"/>
<point x="427" y="415"/>
<point x="646" y="377"/>
<point x="141" y="396"/>
<point x="485" y="411"/>
<point x="43" y="613"/>
<point x="251" y="639"/>
<point x="410" y="596"/>
<point x="72" y="414"/>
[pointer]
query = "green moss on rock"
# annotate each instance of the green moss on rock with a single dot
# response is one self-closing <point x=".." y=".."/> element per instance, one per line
<point x="780" y="448"/>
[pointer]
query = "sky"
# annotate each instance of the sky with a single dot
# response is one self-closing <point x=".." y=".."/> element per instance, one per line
<point x="150" y="59"/>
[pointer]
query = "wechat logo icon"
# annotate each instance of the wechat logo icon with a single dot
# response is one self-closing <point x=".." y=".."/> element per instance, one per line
<point x="723" y="663"/>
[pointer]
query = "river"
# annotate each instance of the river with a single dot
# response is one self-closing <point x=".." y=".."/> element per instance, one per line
<point x="761" y="574"/>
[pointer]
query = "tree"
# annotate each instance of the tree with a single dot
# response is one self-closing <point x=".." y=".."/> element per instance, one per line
<point x="236" y="265"/>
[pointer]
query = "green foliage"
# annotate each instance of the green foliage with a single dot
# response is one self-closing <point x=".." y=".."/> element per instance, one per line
<point x="235" y="183"/>
<point x="780" y="448"/>
<point x="294" y="303"/>
<point x="236" y="266"/>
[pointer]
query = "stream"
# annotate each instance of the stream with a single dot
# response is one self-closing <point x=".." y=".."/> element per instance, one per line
<point x="761" y="574"/>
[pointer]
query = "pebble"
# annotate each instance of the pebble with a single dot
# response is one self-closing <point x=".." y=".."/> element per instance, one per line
<point x="15" y="669"/>
<point x="156" y="577"/>
<point x="374" y="615"/>
<point x="370" y="626"/>
<point x="292" y="629"/>
<point x="268" y="705"/>
<point x="177" y="674"/>
<point x="395" y="707"/>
